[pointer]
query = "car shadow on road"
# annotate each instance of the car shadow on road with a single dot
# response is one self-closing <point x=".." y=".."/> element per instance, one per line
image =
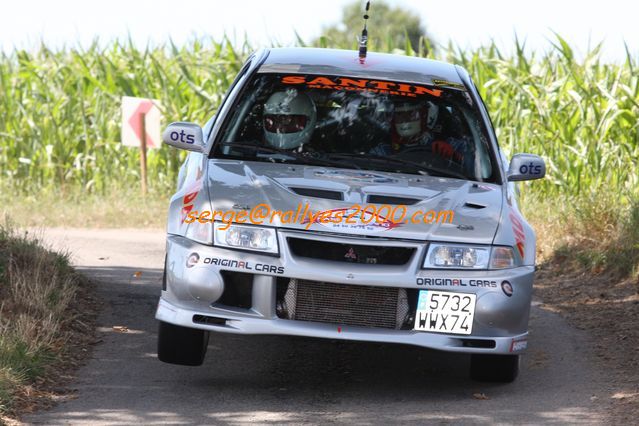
<point x="282" y="379"/>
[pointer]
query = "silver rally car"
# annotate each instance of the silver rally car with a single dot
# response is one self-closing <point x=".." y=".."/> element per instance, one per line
<point x="380" y="147"/>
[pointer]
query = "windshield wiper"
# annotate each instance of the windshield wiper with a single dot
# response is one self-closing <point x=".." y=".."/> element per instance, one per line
<point x="257" y="147"/>
<point x="420" y="168"/>
<point x="309" y="160"/>
<point x="379" y="159"/>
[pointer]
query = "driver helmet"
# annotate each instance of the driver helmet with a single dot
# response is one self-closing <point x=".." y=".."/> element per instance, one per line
<point x="410" y="117"/>
<point x="289" y="119"/>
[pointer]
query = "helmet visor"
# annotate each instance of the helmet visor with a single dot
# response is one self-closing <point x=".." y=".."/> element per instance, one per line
<point x="285" y="123"/>
<point x="407" y="116"/>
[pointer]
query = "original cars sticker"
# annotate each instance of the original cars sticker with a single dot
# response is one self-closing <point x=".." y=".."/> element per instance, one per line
<point x="243" y="264"/>
<point x="455" y="282"/>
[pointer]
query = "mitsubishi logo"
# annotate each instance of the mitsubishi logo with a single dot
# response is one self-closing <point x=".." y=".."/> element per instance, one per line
<point x="351" y="256"/>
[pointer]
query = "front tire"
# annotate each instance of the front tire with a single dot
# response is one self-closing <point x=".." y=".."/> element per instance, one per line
<point x="181" y="345"/>
<point x="494" y="368"/>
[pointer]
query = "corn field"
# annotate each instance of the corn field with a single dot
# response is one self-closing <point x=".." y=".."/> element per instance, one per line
<point x="60" y="111"/>
<point x="581" y="117"/>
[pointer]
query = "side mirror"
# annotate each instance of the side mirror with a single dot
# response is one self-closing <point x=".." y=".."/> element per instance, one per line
<point x="184" y="135"/>
<point x="526" y="167"/>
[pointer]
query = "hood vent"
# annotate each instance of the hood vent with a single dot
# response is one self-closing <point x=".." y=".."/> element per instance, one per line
<point x="388" y="199"/>
<point x="319" y="193"/>
<point x="474" y="206"/>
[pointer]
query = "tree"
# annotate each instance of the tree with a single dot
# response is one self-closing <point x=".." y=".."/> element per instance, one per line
<point x="386" y="24"/>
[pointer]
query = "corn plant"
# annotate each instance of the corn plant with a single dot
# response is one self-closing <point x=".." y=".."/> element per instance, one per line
<point x="60" y="110"/>
<point x="60" y="116"/>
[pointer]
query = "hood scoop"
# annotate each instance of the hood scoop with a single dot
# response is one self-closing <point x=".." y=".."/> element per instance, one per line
<point x="318" y="193"/>
<point x="473" y="206"/>
<point x="390" y="199"/>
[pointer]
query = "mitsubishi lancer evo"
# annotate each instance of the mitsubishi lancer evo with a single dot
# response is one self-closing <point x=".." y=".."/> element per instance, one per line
<point x="308" y="206"/>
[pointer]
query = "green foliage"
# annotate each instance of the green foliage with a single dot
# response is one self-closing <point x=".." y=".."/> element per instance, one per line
<point x="37" y="287"/>
<point x="26" y="362"/>
<point x="581" y="116"/>
<point x="387" y="25"/>
<point x="594" y="233"/>
<point x="9" y="382"/>
<point x="60" y="110"/>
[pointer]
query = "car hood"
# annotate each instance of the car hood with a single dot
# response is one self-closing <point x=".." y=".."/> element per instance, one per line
<point x="302" y="189"/>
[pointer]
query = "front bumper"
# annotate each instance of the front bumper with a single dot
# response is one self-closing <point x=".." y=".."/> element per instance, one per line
<point x="190" y="296"/>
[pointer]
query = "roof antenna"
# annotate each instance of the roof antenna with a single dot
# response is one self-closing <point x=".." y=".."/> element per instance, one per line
<point x="364" y="39"/>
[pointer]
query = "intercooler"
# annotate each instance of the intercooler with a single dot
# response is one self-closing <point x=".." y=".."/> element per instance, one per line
<point x="354" y="305"/>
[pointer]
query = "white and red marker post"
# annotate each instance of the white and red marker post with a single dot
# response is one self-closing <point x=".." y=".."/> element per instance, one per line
<point x="141" y="127"/>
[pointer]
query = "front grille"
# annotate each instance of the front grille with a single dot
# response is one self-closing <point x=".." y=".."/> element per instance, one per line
<point x="354" y="305"/>
<point x="353" y="253"/>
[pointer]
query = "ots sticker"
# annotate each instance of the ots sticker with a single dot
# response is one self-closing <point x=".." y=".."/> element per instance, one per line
<point x="361" y="85"/>
<point x="530" y="169"/>
<point x="182" y="137"/>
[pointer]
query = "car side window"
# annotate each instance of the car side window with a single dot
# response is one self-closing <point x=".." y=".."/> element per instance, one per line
<point x="211" y="123"/>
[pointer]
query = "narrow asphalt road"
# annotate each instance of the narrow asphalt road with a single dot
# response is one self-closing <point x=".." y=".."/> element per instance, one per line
<point x="274" y="379"/>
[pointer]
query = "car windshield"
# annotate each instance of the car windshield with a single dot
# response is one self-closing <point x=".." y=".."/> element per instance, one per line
<point x="358" y="123"/>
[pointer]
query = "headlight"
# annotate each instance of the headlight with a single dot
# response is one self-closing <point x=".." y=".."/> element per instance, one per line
<point x="457" y="256"/>
<point x="460" y="256"/>
<point x="252" y="238"/>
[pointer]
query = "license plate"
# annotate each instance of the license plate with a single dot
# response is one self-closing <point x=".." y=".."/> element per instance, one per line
<point x="445" y="312"/>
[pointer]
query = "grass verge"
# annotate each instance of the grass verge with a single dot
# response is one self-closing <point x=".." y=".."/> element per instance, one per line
<point x="596" y="234"/>
<point x="588" y="271"/>
<point x="42" y="320"/>
<point x="77" y="209"/>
